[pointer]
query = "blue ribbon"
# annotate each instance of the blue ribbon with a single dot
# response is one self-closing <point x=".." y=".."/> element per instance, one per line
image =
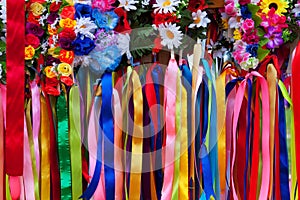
<point x="108" y="129"/>
<point x="284" y="167"/>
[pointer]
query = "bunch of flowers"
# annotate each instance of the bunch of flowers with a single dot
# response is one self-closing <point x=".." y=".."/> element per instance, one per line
<point x="258" y="28"/>
<point x="2" y="41"/>
<point x="60" y="28"/>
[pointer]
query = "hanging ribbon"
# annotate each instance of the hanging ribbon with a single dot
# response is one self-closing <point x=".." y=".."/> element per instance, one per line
<point x="75" y="142"/>
<point x="137" y="139"/>
<point x="15" y="78"/>
<point x="169" y="106"/>
<point x="64" y="147"/>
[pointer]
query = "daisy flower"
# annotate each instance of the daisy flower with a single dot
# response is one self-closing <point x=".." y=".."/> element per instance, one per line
<point x="3" y="10"/>
<point x="145" y="3"/>
<point x="165" y="6"/>
<point x="85" y="26"/>
<point x="170" y="34"/>
<point x="128" y="4"/>
<point x="200" y="19"/>
<point x="279" y="5"/>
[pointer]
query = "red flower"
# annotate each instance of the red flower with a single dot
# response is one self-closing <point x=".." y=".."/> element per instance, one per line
<point x="68" y="12"/>
<point x="162" y="18"/>
<point x="195" y="5"/>
<point x="54" y="7"/>
<point x="66" y="56"/>
<point x="53" y="82"/>
<point x="123" y="26"/>
<point x="32" y="40"/>
<point x="52" y="91"/>
<point x="67" y="33"/>
<point x="66" y="80"/>
<point x="33" y="19"/>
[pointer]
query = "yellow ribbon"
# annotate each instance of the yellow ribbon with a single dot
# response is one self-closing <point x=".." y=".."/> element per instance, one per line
<point x="75" y="142"/>
<point x="137" y="139"/>
<point x="45" y="148"/>
<point x="271" y="78"/>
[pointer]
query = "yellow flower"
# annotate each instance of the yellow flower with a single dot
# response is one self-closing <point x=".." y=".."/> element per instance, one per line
<point x="67" y="23"/>
<point x="64" y="69"/>
<point x="279" y="5"/>
<point x="51" y="52"/>
<point x="52" y="31"/>
<point x="49" y="73"/>
<point x="36" y="8"/>
<point x="71" y="2"/>
<point x="237" y="34"/>
<point x="29" y="52"/>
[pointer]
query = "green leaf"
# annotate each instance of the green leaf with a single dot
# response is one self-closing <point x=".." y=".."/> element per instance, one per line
<point x="253" y="8"/>
<point x="257" y="20"/>
<point x="260" y="32"/>
<point x="59" y="30"/>
<point x="57" y="50"/>
<point x="263" y="41"/>
<point x="262" y="53"/>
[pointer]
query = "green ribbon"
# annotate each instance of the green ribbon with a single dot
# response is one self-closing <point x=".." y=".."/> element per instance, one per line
<point x="8" y="196"/>
<point x="75" y="142"/>
<point x="63" y="147"/>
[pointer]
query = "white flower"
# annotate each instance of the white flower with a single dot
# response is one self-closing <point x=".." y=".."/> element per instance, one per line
<point x="250" y="63"/>
<point x="42" y="18"/>
<point x="3" y="11"/>
<point x="145" y="3"/>
<point x="233" y="23"/>
<point x="128" y="4"/>
<point x="85" y="26"/>
<point x="170" y="34"/>
<point x="200" y="19"/>
<point x="296" y="10"/>
<point x="123" y="44"/>
<point x="165" y="6"/>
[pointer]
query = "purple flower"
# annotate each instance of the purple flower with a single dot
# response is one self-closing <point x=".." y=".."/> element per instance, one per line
<point x="65" y="43"/>
<point x="275" y="38"/>
<point x="52" y="17"/>
<point x="51" y="60"/>
<point x="34" y="29"/>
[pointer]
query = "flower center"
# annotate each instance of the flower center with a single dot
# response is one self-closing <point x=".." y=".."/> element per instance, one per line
<point x="167" y="3"/>
<point x="197" y="20"/>
<point x="170" y="34"/>
<point x="273" y="5"/>
<point x="126" y="3"/>
<point x="83" y="26"/>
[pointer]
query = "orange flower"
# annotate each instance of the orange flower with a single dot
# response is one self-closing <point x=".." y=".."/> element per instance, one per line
<point x="66" y="56"/>
<point x="29" y="52"/>
<point x="52" y="31"/>
<point x="67" y="23"/>
<point x="49" y="73"/>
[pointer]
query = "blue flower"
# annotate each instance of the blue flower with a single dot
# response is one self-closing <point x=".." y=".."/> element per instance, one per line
<point x="252" y="49"/>
<point x="82" y="10"/>
<point x="106" y="20"/>
<point x="246" y="14"/>
<point x="83" y="45"/>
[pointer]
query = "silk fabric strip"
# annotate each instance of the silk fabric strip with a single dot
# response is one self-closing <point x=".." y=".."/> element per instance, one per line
<point x="15" y="78"/>
<point x="63" y="147"/>
<point x="137" y="139"/>
<point x="75" y="142"/>
<point x="45" y="151"/>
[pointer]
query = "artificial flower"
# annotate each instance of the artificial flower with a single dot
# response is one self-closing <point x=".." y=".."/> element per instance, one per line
<point x="248" y="25"/>
<point x="3" y="11"/>
<point x="279" y="5"/>
<point x="32" y="40"/>
<point x="52" y="17"/>
<point x="106" y="20"/>
<point x="170" y="34"/>
<point x="32" y="19"/>
<point x="83" y="46"/>
<point x="29" y="52"/>
<point x="251" y="37"/>
<point x="66" y="80"/>
<point x="244" y="2"/>
<point x="51" y="51"/>
<point x="246" y="14"/>
<point x="162" y="18"/>
<point x="252" y="49"/>
<point x="86" y="27"/>
<point x="52" y="31"/>
<point x="70" y="2"/>
<point x="195" y="5"/>
<point x="49" y="72"/>
<point x="275" y="38"/>
<point x="83" y="10"/>
<point x="34" y="29"/>
<point x="68" y="12"/>
<point x="64" y="69"/>
<point x="67" y="23"/>
<point x="54" y="6"/>
<point x="165" y="6"/>
<point x="296" y="9"/>
<point x="240" y="54"/>
<point x="237" y="34"/>
<point x="123" y="25"/>
<point x="105" y="39"/>
<point x="103" y="5"/>
<point x="65" y="43"/>
<point x="67" y="33"/>
<point x="37" y="9"/>
<point x="274" y="20"/>
<point x="52" y="61"/>
<point x="66" y="56"/>
<point x="251" y="63"/>
<point x="200" y="19"/>
<point x="230" y="9"/>
<point x="234" y="22"/>
<point x="123" y="44"/>
<point x="51" y="90"/>
<point x="145" y="3"/>
<point x="128" y="4"/>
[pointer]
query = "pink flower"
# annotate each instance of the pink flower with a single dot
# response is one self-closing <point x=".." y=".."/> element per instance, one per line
<point x="230" y="9"/>
<point x="240" y="55"/>
<point x="274" y="20"/>
<point x="251" y="37"/>
<point x="248" y="25"/>
<point x="103" y="5"/>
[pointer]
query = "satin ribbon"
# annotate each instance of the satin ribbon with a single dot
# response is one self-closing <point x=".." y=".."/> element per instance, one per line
<point x="137" y="139"/>
<point x="169" y="106"/>
<point x="75" y="142"/>
<point x="296" y="102"/>
<point x="45" y="151"/>
<point x="15" y="78"/>
<point x="64" y="147"/>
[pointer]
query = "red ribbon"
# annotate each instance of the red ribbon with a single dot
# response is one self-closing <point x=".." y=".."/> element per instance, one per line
<point x="296" y="102"/>
<point x="15" y="87"/>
